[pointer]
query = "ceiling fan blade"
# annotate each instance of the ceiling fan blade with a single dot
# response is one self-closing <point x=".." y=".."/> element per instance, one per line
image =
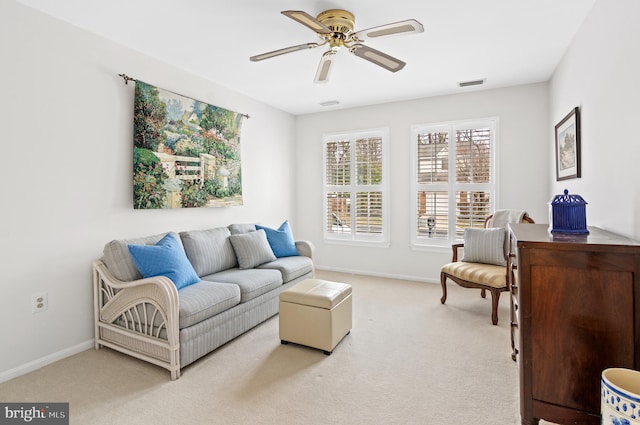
<point x="279" y="52"/>
<point x="322" y="75"/>
<point x="410" y="26"/>
<point x="307" y="20"/>
<point x="376" y="56"/>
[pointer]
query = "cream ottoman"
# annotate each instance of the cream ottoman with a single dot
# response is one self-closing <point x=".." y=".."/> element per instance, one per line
<point x="315" y="313"/>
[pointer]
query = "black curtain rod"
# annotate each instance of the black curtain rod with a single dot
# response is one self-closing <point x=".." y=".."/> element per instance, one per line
<point x="127" y="79"/>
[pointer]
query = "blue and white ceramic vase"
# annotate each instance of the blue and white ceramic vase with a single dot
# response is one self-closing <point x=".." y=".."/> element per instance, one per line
<point x="620" y="397"/>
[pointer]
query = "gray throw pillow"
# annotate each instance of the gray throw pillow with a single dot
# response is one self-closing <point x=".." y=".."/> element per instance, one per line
<point x="252" y="249"/>
<point x="484" y="246"/>
<point x="210" y="250"/>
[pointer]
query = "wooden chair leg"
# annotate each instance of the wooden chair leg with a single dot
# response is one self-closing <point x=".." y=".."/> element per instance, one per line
<point x="443" y="282"/>
<point x="483" y="293"/>
<point x="495" y="298"/>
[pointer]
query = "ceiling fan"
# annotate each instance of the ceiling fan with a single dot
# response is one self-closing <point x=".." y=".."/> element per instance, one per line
<point x="335" y="28"/>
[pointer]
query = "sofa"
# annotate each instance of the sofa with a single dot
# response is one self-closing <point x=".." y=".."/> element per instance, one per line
<point x="171" y="298"/>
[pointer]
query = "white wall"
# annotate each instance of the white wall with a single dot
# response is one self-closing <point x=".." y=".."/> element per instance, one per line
<point x="523" y="162"/>
<point x="66" y="174"/>
<point x="600" y="73"/>
<point x="66" y="144"/>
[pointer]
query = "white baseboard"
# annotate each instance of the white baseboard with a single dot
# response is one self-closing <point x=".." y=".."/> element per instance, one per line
<point x="385" y="275"/>
<point x="44" y="361"/>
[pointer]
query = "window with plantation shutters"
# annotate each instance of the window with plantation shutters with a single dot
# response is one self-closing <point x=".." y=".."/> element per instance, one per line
<point x="453" y="179"/>
<point x="355" y="187"/>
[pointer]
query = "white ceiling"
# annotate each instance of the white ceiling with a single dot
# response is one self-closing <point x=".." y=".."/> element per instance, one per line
<point x="506" y="42"/>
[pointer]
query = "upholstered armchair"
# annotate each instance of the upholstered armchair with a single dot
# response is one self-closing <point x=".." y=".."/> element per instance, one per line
<point x="483" y="264"/>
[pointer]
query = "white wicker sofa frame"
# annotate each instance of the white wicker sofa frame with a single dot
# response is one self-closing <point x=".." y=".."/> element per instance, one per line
<point x="148" y="318"/>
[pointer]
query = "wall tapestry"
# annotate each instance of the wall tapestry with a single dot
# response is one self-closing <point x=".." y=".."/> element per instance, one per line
<point x="186" y="152"/>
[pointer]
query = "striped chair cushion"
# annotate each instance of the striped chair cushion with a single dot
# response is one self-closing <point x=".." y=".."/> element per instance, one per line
<point x="487" y="274"/>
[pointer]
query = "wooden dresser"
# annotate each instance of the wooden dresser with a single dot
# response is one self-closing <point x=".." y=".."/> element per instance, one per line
<point x="575" y="311"/>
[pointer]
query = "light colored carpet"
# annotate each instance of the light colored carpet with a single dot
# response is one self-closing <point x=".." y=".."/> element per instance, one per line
<point x="408" y="360"/>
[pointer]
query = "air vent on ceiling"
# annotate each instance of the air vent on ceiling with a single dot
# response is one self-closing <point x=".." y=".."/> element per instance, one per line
<point x="471" y="83"/>
<point x="329" y="103"/>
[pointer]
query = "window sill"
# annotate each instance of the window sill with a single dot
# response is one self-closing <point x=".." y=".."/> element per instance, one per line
<point x="431" y="248"/>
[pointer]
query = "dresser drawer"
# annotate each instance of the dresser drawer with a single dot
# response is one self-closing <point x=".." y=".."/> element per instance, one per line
<point x="514" y="312"/>
<point x="513" y="278"/>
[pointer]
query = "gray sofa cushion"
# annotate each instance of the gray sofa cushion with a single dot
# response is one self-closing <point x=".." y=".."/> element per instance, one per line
<point x="205" y="299"/>
<point x="252" y="249"/>
<point x="252" y="282"/>
<point x="118" y="259"/>
<point x="290" y="267"/>
<point x="209" y="251"/>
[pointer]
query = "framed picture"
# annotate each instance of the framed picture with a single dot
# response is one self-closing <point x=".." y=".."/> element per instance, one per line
<point x="568" y="146"/>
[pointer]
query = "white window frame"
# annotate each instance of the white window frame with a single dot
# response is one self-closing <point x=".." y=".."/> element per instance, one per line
<point x="353" y="238"/>
<point x="451" y="187"/>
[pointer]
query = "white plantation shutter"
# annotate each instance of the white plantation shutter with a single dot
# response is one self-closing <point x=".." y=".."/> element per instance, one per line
<point x="454" y="179"/>
<point x="433" y="157"/>
<point x="338" y="163"/>
<point x="471" y="210"/>
<point x="473" y="155"/>
<point x="369" y="212"/>
<point x="473" y="168"/>
<point x="338" y="177"/>
<point x="433" y="214"/>
<point x="338" y="216"/>
<point x="355" y="185"/>
<point x="369" y="161"/>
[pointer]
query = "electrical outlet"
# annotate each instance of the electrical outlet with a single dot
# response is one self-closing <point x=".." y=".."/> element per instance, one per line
<point x="39" y="302"/>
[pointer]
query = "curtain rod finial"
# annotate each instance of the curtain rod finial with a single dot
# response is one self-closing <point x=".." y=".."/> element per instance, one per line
<point x="126" y="78"/>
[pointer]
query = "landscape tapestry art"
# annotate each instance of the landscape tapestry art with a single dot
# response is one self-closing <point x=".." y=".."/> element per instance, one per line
<point x="186" y="152"/>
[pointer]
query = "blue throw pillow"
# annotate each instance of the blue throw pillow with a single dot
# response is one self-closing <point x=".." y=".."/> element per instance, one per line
<point x="165" y="258"/>
<point x="281" y="240"/>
